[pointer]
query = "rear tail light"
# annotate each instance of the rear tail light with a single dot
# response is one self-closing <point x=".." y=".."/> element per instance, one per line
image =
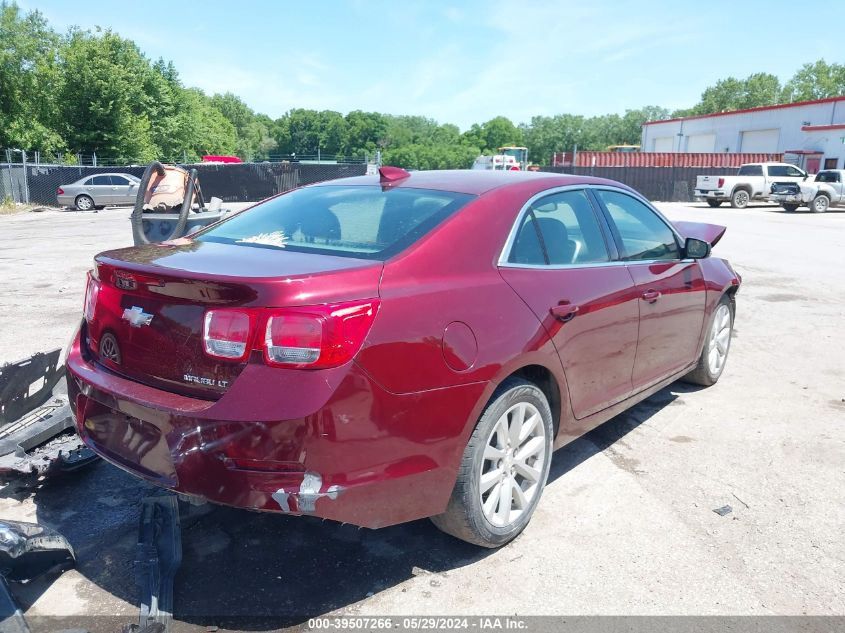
<point x="313" y="337"/>
<point x="318" y="337"/>
<point x="226" y="334"/>
<point x="92" y="291"/>
<point x="60" y="192"/>
<point x="293" y="338"/>
<point x="721" y="183"/>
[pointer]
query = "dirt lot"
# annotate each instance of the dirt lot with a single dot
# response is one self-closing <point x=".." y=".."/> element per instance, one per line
<point x="626" y="525"/>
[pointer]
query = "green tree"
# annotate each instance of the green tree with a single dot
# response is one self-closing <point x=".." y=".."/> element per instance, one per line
<point x="500" y="131"/>
<point x="308" y="132"/>
<point x="759" y="89"/>
<point x="103" y="104"/>
<point x="493" y="134"/>
<point x="548" y="134"/>
<point x="252" y="131"/>
<point x="632" y="123"/>
<point x="815" y="81"/>
<point x="201" y="128"/>
<point x="29" y="81"/>
<point x="366" y="132"/>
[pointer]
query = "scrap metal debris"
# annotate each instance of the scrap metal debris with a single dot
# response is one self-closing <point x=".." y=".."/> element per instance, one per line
<point x="723" y="510"/>
<point x="37" y="435"/>
<point x="11" y="617"/>
<point x="159" y="556"/>
<point x="29" y="550"/>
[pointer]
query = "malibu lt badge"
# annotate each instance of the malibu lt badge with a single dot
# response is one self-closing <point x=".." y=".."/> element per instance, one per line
<point x="136" y="316"/>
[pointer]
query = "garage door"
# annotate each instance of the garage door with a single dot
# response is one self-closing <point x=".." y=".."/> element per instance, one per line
<point x="701" y="143"/>
<point x="760" y="141"/>
<point x="664" y="144"/>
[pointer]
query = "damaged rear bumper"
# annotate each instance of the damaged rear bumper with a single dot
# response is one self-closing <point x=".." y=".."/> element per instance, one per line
<point x="333" y="444"/>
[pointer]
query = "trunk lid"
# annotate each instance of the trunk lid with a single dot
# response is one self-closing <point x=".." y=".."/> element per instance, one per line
<point x="147" y="321"/>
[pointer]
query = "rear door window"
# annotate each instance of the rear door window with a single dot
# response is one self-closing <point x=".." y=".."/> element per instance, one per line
<point x="559" y="229"/>
<point x="363" y="221"/>
<point x="101" y="180"/>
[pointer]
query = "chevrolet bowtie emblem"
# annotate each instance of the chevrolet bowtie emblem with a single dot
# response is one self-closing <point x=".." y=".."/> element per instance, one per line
<point x="136" y="316"/>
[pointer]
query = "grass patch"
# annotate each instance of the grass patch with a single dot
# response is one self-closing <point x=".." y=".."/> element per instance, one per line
<point x="10" y="207"/>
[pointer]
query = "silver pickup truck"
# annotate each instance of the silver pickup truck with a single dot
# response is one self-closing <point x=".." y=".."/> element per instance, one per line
<point x="828" y="189"/>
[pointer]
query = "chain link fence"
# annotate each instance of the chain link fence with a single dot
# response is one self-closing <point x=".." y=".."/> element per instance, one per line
<point x="30" y="182"/>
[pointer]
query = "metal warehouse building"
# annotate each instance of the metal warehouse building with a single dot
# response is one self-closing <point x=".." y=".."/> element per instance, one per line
<point x="809" y="133"/>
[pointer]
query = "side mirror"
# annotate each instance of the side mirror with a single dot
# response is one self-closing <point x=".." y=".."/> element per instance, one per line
<point x="696" y="249"/>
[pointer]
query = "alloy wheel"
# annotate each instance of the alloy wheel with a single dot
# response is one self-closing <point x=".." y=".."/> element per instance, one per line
<point x="513" y="465"/>
<point x="820" y="204"/>
<point x="720" y="339"/>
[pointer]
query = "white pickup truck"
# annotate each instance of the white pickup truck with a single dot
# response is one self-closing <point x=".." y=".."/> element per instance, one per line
<point x="753" y="182"/>
<point x="826" y="190"/>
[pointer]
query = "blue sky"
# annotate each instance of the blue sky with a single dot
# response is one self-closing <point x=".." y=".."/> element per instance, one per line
<point x="463" y="62"/>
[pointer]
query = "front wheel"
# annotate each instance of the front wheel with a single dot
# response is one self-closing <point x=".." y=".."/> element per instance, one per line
<point x="820" y="203"/>
<point x="790" y="207"/>
<point x="504" y="468"/>
<point x="740" y="199"/>
<point x="714" y="203"/>
<point x="714" y="354"/>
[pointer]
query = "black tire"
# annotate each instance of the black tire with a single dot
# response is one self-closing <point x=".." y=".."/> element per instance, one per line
<point x="714" y="203"/>
<point x="740" y="198"/>
<point x="790" y="207"/>
<point x="703" y="374"/>
<point x="464" y="517"/>
<point x="820" y="203"/>
<point x="84" y="202"/>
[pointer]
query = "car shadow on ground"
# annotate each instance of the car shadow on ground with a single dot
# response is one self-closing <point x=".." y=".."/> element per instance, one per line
<point x="258" y="571"/>
<point x="764" y="206"/>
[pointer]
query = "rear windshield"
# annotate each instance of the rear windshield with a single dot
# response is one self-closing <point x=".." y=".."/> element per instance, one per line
<point x="365" y="222"/>
<point x="750" y="170"/>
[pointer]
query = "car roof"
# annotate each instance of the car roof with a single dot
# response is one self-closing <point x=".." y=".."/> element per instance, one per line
<point x="108" y="173"/>
<point x="474" y="181"/>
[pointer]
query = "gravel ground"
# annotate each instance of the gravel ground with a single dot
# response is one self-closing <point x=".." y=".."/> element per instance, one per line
<point x="626" y="524"/>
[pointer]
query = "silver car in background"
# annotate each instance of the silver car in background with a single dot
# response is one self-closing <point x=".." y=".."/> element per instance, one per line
<point x="98" y="191"/>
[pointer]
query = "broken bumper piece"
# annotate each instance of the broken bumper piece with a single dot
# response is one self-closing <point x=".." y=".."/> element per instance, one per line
<point x="37" y="434"/>
<point x="29" y="550"/>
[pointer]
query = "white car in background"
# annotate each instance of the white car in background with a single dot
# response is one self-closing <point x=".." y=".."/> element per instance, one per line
<point x="98" y="191"/>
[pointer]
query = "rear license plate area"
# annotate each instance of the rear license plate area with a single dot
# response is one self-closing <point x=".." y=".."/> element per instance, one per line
<point x="135" y="444"/>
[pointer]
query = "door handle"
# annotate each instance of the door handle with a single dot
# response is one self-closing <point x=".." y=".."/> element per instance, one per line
<point x="651" y="296"/>
<point x="564" y="312"/>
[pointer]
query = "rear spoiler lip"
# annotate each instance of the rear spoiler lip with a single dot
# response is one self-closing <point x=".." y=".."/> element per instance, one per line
<point x="710" y="233"/>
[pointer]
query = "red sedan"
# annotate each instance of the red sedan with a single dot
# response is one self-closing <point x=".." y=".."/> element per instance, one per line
<point x="379" y="349"/>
